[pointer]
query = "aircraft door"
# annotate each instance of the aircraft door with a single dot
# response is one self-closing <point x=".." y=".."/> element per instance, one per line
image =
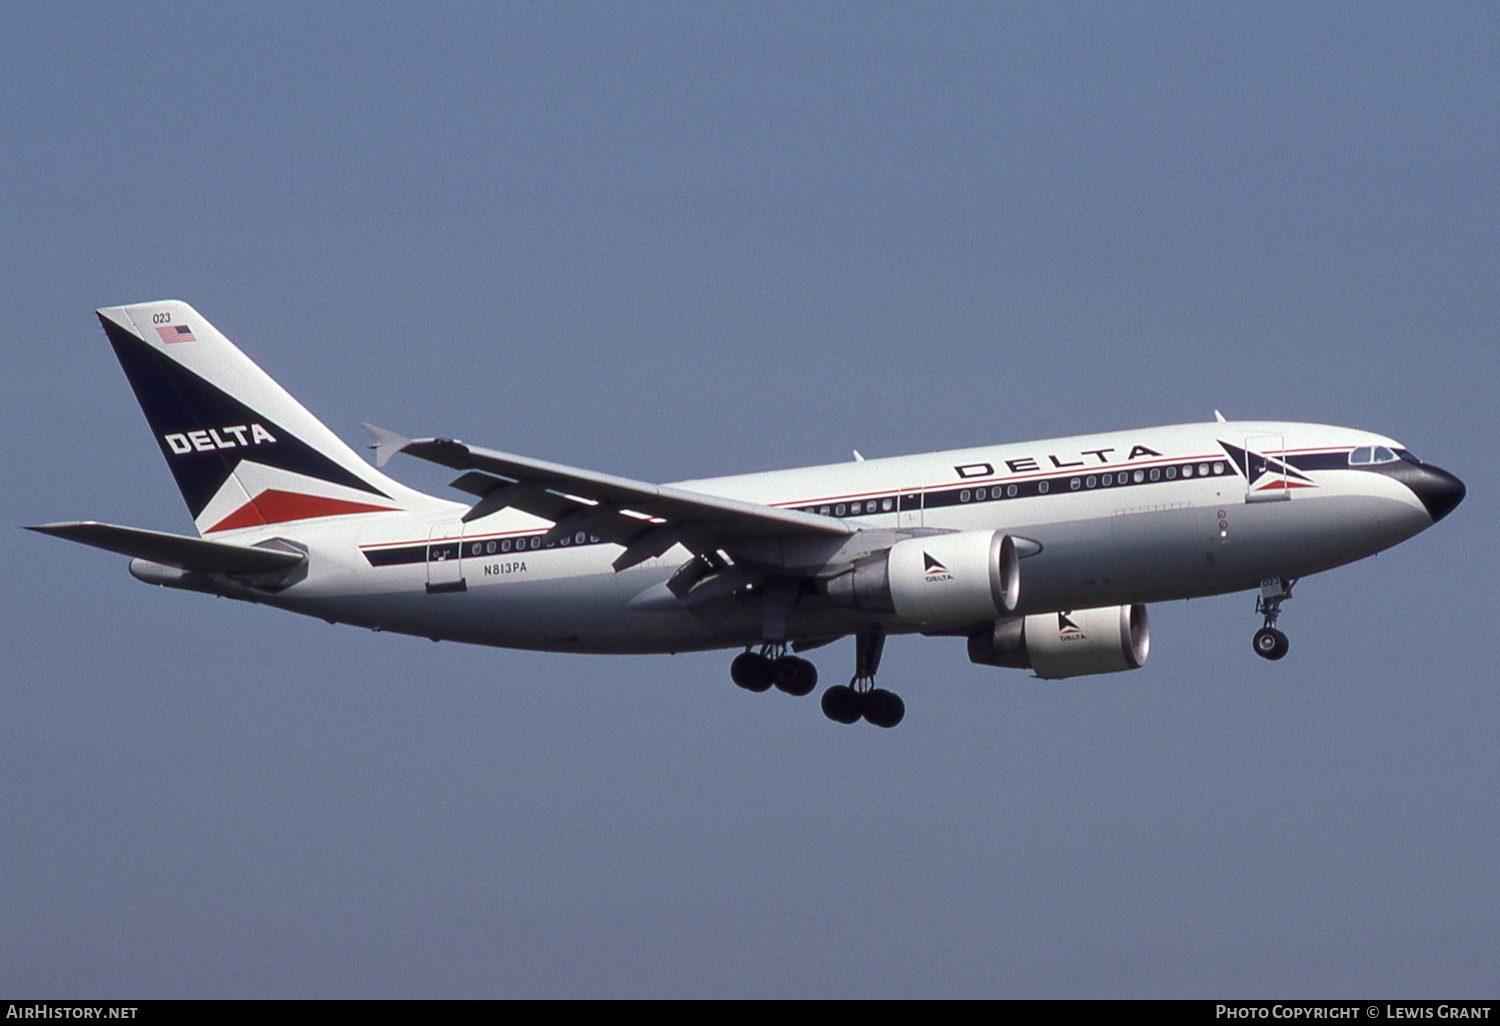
<point x="910" y="504"/>
<point x="445" y="568"/>
<point x="1265" y="469"/>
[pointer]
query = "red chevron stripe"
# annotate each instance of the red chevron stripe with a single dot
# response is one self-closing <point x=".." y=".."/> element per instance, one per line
<point x="1284" y="484"/>
<point x="274" y="506"/>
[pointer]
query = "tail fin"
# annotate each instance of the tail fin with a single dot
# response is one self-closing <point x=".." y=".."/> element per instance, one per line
<point x="243" y="451"/>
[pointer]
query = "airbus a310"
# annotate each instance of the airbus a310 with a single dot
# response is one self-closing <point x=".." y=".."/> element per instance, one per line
<point x="1041" y="555"/>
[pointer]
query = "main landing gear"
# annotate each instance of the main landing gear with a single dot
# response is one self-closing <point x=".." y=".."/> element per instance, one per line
<point x="771" y="666"/>
<point x="860" y="698"/>
<point x="1270" y="643"/>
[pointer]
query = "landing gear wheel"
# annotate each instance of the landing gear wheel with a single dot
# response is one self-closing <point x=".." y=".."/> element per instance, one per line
<point x="1270" y="643"/>
<point x="842" y="704"/>
<point x="794" y="676"/>
<point x="751" y="671"/>
<point x="884" y="708"/>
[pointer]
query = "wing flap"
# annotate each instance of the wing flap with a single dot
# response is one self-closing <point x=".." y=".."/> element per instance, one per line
<point x="175" y="550"/>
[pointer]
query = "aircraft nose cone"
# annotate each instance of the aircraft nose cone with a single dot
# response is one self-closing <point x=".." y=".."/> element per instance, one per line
<point x="1439" y="491"/>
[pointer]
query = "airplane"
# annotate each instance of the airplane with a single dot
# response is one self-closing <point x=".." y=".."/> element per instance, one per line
<point x="1041" y="555"/>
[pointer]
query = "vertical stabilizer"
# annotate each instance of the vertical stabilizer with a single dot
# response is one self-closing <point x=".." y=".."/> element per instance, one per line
<point x="245" y="454"/>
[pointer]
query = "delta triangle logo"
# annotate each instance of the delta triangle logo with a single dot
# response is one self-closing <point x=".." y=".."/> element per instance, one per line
<point x="933" y="569"/>
<point x="1065" y="626"/>
<point x="1266" y="473"/>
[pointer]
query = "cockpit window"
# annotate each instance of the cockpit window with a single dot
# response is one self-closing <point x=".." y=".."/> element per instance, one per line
<point x="1406" y="454"/>
<point x="1365" y="455"/>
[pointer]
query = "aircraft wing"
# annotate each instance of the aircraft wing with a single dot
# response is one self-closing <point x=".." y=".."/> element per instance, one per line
<point x="175" y="550"/>
<point x="647" y="519"/>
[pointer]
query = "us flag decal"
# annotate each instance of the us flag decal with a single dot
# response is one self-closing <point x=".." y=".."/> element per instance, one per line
<point x="176" y="333"/>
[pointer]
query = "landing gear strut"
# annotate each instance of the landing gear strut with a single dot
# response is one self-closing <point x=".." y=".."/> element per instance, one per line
<point x="758" y="671"/>
<point x="847" y="703"/>
<point x="1270" y="643"/>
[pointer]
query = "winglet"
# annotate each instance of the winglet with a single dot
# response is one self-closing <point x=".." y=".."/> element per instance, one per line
<point x="387" y="443"/>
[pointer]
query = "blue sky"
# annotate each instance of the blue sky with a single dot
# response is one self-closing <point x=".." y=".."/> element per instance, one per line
<point x="675" y="240"/>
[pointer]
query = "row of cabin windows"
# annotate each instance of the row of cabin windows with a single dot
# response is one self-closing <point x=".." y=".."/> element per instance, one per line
<point x="1104" y="480"/>
<point x="489" y="548"/>
<point x="1154" y="474"/>
<point x="854" y="509"/>
<point x="980" y="494"/>
<point x="866" y="507"/>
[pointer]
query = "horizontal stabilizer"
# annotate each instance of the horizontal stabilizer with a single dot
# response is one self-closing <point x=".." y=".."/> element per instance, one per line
<point x="175" y="550"/>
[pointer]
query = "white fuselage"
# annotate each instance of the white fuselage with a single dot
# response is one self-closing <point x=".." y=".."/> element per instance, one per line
<point x="1148" y="515"/>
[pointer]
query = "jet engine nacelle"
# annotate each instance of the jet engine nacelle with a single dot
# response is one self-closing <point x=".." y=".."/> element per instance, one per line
<point x="1070" y="644"/>
<point x="943" y="578"/>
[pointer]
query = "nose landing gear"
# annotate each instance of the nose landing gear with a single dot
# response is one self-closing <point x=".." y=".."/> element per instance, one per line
<point x="1270" y="643"/>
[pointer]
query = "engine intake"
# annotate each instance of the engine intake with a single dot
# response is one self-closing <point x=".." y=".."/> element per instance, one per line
<point x="944" y="578"/>
<point x="1067" y="644"/>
